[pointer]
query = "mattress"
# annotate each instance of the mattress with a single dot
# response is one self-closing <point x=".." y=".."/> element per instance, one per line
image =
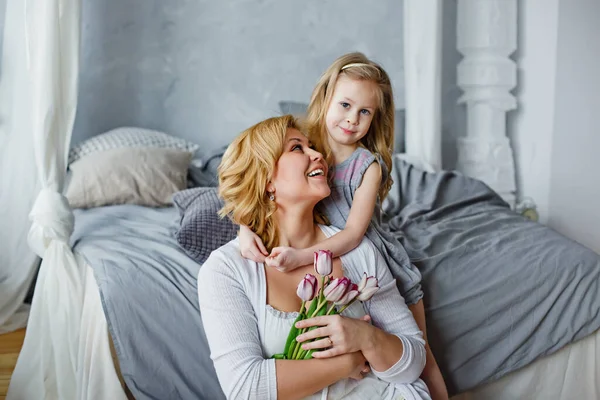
<point x="571" y="373"/>
<point x="148" y="292"/>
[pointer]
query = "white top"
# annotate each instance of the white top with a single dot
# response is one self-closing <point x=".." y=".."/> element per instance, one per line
<point x="243" y="331"/>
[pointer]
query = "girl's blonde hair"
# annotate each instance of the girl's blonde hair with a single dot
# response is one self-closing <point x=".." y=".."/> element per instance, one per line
<point x="380" y="137"/>
<point x="245" y="171"/>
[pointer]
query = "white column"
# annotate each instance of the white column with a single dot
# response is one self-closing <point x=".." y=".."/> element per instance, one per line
<point x="423" y="80"/>
<point x="487" y="36"/>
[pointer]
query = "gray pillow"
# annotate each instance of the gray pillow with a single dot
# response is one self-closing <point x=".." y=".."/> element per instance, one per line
<point x="203" y="169"/>
<point x="129" y="137"/>
<point x="201" y="230"/>
<point x="299" y="109"/>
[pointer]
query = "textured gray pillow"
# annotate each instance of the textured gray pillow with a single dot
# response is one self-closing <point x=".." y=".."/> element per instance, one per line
<point x="201" y="230"/>
<point x="129" y="137"/>
<point x="299" y="109"/>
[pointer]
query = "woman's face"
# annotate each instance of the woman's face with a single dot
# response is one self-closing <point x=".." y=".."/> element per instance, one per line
<point x="300" y="175"/>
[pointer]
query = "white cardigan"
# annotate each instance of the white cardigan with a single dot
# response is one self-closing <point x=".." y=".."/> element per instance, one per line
<point x="232" y="295"/>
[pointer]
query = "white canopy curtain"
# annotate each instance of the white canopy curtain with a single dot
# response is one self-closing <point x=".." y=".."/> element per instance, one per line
<point x="39" y="93"/>
<point x="422" y="80"/>
<point x="19" y="182"/>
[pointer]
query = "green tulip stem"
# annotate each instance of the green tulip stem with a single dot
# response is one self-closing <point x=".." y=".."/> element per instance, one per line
<point x="295" y="343"/>
<point x="346" y="306"/>
<point x="297" y="349"/>
<point x="330" y="309"/>
<point x="300" y="355"/>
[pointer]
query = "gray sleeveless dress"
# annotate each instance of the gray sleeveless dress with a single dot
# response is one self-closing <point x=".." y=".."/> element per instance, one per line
<point x="346" y="178"/>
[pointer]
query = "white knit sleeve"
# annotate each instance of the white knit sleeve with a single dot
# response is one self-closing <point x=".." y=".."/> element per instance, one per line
<point x="231" y="328"/>
<point x="390" y="313"/>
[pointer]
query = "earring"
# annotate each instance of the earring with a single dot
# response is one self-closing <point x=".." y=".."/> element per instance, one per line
<point x="271" y="196"/>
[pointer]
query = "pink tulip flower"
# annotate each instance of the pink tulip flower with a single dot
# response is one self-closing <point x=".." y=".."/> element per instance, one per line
<point x="323" y="262"/>
<point x="307" y="288"/>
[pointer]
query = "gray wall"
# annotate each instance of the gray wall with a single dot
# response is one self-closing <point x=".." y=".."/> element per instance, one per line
<point x="205" y="70"/>
<point x="531" y="125"/>
<point x="2" y="12"/>
<point x="575" y="166"/>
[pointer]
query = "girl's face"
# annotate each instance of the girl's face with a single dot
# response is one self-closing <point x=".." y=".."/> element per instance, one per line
<point x="351" y="111"/>
<point x="300" y="175"/>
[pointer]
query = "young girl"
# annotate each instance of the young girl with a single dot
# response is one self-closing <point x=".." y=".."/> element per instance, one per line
<point x="351" y="122"/>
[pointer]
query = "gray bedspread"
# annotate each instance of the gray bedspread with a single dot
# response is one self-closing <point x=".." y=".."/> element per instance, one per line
<point x="500" y="291"/>
<point x="149" y="294"/>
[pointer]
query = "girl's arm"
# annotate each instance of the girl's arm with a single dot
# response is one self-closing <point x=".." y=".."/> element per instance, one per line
<point x="361" y="212"/>
<point x="231" y="328"/>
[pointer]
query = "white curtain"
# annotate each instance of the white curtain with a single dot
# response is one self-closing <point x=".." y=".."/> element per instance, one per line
<point x="39" y="94"/>
<point x="422" y="79"/>
<point x="18" y="177"/>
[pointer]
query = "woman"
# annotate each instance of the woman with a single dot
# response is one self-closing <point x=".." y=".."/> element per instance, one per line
<point x="271" y="180"/>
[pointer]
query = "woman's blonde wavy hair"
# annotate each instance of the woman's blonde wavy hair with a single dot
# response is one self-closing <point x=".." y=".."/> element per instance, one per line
<point x="245" y="171"/>
<point x="380" y="137"/>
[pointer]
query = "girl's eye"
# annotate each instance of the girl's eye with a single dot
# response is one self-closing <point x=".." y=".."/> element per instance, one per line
<point x="297" y="147"/>
<point x="365" y="112"/>
<point x="345" y="105"/>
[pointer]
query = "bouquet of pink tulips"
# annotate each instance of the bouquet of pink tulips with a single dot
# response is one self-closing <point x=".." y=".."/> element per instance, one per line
<point x="333" y="297"/>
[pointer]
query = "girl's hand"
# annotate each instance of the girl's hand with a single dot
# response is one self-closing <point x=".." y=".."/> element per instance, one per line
<point x="251" y="246"/>
<point x="285" y="259"/>
<point x="338" y="334"/>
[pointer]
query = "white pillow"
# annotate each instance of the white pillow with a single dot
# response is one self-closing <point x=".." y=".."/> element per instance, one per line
<point x="129" y="137"/>
<point x="143" y="176"/>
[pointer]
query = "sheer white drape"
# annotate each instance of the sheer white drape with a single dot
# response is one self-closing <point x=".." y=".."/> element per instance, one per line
<point x="40" y="72"/>
<point x="19" y="183"/>
<point x="422" y="79"/>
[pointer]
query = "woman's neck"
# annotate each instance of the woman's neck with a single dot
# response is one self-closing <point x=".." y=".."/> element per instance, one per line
<point x="297" y="229"/>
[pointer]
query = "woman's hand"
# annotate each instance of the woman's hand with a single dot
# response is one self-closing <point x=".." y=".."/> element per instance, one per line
<point x="338" y="334"/>
<point x="359" y="365"/>
<point x="251" y="246"/>
<point x="285" y="259"/>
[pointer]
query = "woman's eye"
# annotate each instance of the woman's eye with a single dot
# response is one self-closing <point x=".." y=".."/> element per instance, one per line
<point x="345" y="105"/>
<point x="365" y="112"/>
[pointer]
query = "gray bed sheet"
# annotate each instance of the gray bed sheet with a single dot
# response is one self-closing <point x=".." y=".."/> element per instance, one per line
<point x="149" y="295"/>
<point x="500" y="291"/>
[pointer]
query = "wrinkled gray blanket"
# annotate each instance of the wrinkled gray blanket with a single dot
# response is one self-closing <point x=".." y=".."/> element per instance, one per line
<point x="149" y="295"/>
<point x="500" y="291"/>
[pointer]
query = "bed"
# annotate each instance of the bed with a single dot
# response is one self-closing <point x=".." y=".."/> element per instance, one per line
<point x="143" y="293"/>
<point x="129" y="306"/>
